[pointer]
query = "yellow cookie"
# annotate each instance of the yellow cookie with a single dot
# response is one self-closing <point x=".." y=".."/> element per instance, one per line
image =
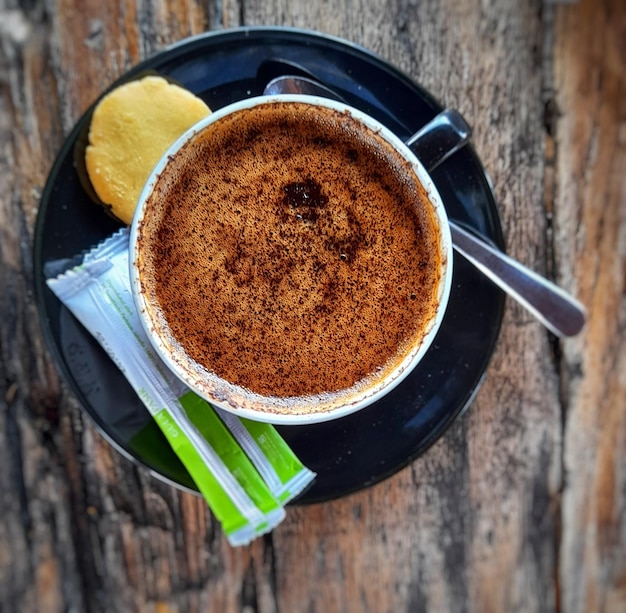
<point x="131" y="128"/>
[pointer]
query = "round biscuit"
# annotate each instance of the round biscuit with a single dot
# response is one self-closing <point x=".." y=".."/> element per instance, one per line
<point x="131" y="128"/>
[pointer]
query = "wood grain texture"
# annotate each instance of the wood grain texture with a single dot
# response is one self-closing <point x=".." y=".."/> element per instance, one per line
<point x="590" y="229"/>
<point x="521" y="506"/>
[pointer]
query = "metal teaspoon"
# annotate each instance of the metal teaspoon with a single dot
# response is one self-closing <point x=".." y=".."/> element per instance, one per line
<point x="434" y="143"/>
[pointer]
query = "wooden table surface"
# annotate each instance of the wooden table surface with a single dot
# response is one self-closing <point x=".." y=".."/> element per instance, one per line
<point x="521" y="506"/>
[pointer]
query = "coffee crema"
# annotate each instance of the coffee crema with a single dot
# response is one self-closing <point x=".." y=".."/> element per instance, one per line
<point x="293" y="253"/>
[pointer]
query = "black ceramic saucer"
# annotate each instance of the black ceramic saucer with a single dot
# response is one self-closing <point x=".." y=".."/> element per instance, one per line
<point x="349" y="453"/>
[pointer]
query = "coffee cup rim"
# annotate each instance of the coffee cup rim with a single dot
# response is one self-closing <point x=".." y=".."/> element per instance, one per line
<point x="188" y="375"/>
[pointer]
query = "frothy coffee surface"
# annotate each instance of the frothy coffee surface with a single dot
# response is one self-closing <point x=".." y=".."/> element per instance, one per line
<point x="291" y="251"/>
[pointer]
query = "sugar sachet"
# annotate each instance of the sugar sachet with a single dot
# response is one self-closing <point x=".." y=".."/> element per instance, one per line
<point x="244" y="469"/>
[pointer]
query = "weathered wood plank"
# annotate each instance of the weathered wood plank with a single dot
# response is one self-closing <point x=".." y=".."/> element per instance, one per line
<point x="38" y="566"/>
<point x="590" y="228"/>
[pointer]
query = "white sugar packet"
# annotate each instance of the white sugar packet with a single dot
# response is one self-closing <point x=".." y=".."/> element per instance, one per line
<point x="244" y="469"/>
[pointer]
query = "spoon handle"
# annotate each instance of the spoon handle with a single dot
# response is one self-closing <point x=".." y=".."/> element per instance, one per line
<point x="557" y="310"/>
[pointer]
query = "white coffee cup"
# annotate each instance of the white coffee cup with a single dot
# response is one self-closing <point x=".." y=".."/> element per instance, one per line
<point x="237" y="398"/>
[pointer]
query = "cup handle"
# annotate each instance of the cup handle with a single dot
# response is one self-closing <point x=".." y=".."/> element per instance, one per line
<point x="444" y="135"/>
<point x="558" y="311"/>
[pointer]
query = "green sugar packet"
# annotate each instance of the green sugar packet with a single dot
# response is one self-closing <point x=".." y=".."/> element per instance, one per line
<point x="283" y="472"/>
<point x="244" y="469"/>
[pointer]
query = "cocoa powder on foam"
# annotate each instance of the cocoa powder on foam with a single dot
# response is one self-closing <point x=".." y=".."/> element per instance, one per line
<point x="292" y="252"/>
